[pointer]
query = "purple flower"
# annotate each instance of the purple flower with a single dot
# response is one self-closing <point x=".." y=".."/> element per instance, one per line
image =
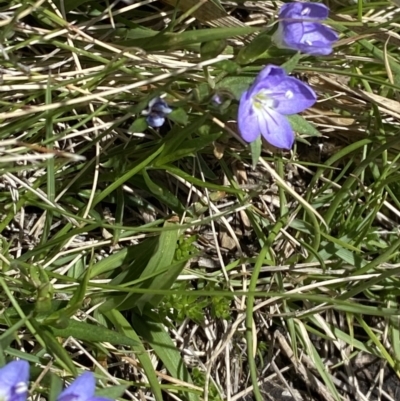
<point x="263" y="106"/>
<point x="156" y="112"/>
<point x="14" y="379"/>
<point x="81" y="389"/>
<point x="300" y="29"/>
<point x="217" y="99"/>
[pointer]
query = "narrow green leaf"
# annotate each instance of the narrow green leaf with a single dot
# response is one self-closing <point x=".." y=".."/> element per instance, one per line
<point x="60" y="318"/>
<point x="139" y="125"/>
<point x="162" y="258"/>
<point x="112" y="393"/>
<point x="235" y="85"/>
<point x="56" y="386"/>
<point x="111" y="262"/>
<point x="180" y="173"/>
<point x="91" y="333"/>
<point x="256" y="147"/>
<point x="213" y="48"/>
<point x="179" y="116"/>
<point x="302" y="126"/>
<point x="255" y="49"/>
<point x="150" y="328"/>
<point x="174" y="139"/>
<point x="168" y="40"/>
<point x="291" y="64"/>
<point x="187" y="148"/>
<point x="163" y="194"/>
<point x="53" y="346"/>
<point x="129" y="174"/>
<point x="123" y="326"/>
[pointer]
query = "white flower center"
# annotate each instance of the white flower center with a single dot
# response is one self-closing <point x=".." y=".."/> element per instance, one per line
<point x="21" y="388"/>
<point x="306" y="11"/>
<point x="308" y="42"/>
<point x="262" y="101"/>
<point x="289" y="94"/>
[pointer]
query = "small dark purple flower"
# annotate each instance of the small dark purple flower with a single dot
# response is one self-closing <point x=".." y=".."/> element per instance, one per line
<point x="217" y="99"/>
<point x="300" y="29"/>
<point x="81" y="389"/>
<point x="156" y="112"/>
<point x="14" y="379"/>
<point x="263" y="107"/>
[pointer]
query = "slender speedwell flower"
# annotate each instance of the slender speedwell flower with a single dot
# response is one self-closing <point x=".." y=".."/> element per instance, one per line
<point x="156" y="112"/>
<point x="14" y="379"/>
<point x="263" y="106"/>
<point x="300" y="29"/>
<point x="81" y="389"/>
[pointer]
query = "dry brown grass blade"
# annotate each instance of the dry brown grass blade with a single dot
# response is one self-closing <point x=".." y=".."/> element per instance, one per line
<point x="308" y="378"/>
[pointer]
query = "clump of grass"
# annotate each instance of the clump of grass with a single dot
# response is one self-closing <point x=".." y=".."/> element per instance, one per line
<point x="164" y="259"/>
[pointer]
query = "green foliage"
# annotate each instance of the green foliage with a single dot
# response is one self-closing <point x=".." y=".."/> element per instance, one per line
<point x="255" y="50"/>
<point x="117" y="239"/>
<point x="194" y="307"/>
<point x="199" y="379"/>
<point x="185" y="306"/>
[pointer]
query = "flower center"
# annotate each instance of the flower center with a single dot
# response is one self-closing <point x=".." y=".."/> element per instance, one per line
<point x="306" y="11"/>
<point x="21" y="388"/>
<point x="289" y="94"/>
<point x="261" y="101"/>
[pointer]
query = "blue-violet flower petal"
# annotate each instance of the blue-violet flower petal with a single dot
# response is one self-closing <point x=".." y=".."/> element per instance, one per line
<point x="263" y="107"/>
<point x="81" y="389"/>
<point x="14" y="379"/>
<point x="156" y="112"/>
<point x="300" y="29"/>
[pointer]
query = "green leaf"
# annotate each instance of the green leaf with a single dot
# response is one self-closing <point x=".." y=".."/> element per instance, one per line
<point x="111" y="262"/>
<point x="129" y="174"/>
<point x="161" y="258"/>
<point x="229" y="66"/>
<point x="187" y="148"/>
<point x="302" y="126"/>
<point x="139" y="125"/>
<point x="291" y="64"/>
<point x="196" y="181"/>
<point x="179" y="116"/>
<point x="160" y="272"/>
<point x="56" y="386"/>
<point x="163" y="281"/>
<point x="123" y="326"/>
<point x="177" y="135"/>
<point x="256" y="147"/>
<point x="53" y="346"/>
<point x="163" y="194"/>
<point x="150" y="328"/>
<point x="154" y="188"/>
<point x="91" y="333"/>
<point x="169" y="41"/>
<point x="211" y="49"/>
<point x="255" y="49"/>
<point x="61" y="317"/>
<point x="9" y="335"/>
<point x="235" y="85"/>
<point x="112" y="393"/>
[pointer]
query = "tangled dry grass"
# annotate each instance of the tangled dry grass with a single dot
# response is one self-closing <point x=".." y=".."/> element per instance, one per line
<point x="163" y="259"/>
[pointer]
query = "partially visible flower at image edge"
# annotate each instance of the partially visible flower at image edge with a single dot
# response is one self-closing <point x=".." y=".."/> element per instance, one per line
<point x="156" y="112"/>
<point x="300" y="29"/>
<point x="14" y="379"/>
<point x="263" y="107"/>
<point x="81" y="389"/>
